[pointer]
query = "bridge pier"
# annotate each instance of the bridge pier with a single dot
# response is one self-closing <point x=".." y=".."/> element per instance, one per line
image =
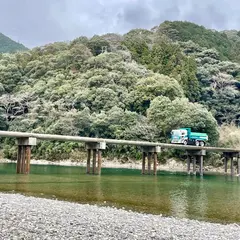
<point x="188" y="164"/>
<point x="195" y="155"/>
<point x="225" y="164"/>
<point x="231" y="156"/>
<point x="151" y="154"/>
<point x="96" y="150"/>
<point x="24" y="154"/>
<point x="238" y="165"/>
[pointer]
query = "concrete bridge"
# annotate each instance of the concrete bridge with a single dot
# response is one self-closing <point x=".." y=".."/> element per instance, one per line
<point x="95" y="146"/>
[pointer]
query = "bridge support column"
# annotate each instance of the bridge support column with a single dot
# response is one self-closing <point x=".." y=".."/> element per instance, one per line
<point x="143" y="162"/>
<point x="238" y="165"/>
<point x="232" y="167"/>
<point x="149" y="162"/>
<point x="201" y="165"/>
<point x="88" y="160"/>
<point x="194" y="164"/>
<point x="151" y="153"/>
<point x="96" y="150"/>
<point x="99" y="156"/>
<point x="24" y="154"/>
<point x="225" y="164"/>
<point x="155" y="163"/>
<point x="197" y="156"/>
<point x="188" y="164"/>
<point x="231" y="156"/>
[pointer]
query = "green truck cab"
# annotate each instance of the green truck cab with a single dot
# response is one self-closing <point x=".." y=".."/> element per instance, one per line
<point x="186" y="137"/>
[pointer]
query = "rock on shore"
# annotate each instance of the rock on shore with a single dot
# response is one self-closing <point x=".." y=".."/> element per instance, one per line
<point x="24" y="217"/>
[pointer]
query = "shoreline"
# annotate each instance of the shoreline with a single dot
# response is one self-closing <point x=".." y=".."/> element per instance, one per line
<point x="28" y="217"/>
<point x="171" y="165"/>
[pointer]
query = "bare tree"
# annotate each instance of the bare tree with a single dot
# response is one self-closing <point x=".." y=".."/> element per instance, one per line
<point x="14" y="106"/>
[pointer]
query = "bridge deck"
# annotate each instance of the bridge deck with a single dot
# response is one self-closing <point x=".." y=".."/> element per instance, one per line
<point x="111" y="141"/>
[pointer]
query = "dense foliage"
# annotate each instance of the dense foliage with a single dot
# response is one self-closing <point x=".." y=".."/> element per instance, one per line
<point x="228" y="47"/>
<point x="229" y="136"/>
<point x="138" y="86"/>
<point x="7" y="45"/>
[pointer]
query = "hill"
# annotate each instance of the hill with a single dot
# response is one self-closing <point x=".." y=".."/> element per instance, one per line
<point x="200" y="58"/>
<point x="136" y="86"/>
<point x="7" y="45"/>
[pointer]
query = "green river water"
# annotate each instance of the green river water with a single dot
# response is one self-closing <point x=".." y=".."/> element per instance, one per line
<point x="214" y="198"/>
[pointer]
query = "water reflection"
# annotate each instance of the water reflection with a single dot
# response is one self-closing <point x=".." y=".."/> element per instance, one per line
<point x="190" y="198"/>
<point x="179" y="202"/>
<point x="211" y="197"/>
<point x="21" y="183"/>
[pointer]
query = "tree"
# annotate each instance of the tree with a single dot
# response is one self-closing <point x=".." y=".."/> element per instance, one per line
<point x="168" y="115"/>
<point x="148" y="88"/>
<point x="98" y="45"/>
<point x="3" y="124"/>
<point x="136" y="86"/>
<point x="185" y="31"/>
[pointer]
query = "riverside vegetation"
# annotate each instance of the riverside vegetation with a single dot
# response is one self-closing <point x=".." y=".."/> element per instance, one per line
<point x="136" y="86"/>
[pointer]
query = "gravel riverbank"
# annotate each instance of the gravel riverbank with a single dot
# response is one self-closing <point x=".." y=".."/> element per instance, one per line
<point x="24" y="217"/>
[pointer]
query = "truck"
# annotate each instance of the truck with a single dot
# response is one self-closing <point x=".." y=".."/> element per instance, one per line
<point x="186" y="137"/>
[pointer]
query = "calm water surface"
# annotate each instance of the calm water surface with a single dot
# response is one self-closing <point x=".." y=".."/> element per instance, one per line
<point x="214" y="198"/>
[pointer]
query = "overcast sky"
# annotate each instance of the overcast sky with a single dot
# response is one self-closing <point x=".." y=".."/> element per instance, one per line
<point x="38" y="22"/>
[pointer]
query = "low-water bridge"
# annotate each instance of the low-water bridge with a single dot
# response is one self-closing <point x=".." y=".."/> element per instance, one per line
<point x="95" y="146"/>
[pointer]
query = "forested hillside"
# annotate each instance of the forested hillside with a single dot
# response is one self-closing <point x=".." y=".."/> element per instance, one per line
<point x="136" y="86"/>
<point x="7" y="45"/>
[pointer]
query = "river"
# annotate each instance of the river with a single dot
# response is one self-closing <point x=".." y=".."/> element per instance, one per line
<point x="213" y="198"/>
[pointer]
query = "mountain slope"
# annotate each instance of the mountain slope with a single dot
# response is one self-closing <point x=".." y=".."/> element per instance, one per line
<point x="136" y="86"/>
<point x="204" y="61"/>
<point x="185" y="31"/>
<point x="7" y="45"/>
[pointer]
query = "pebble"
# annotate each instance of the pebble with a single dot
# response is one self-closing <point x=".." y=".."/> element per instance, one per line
<point x="23" y="217"/>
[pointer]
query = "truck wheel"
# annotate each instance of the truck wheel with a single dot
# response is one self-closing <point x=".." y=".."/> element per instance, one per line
<point x="185" y="142"/>
<point x="197" y="143"/>
<point x="202" y="144"/>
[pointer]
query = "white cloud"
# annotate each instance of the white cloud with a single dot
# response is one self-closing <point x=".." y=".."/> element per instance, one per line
<point x="35" y="22"/>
